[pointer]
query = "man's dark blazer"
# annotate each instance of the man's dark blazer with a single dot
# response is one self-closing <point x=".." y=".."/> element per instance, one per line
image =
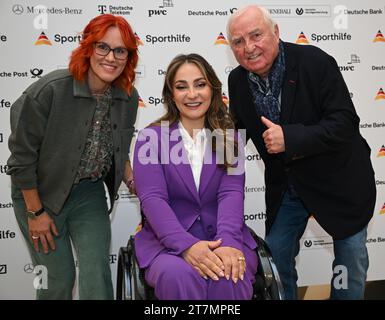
<point x="326" y="159"/>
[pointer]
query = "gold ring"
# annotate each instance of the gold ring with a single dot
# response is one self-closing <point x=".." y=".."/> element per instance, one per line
<point x="241" y="258"/>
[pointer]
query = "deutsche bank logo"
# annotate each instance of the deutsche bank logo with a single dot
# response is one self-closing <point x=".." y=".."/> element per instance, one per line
<point x="3" y="268"/>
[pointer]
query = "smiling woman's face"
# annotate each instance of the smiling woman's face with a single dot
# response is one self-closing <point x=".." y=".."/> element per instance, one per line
<point x="192" y="93"/>
<point x="105" y="69"/>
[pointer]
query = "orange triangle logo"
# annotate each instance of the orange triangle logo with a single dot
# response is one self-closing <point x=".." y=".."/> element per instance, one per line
<point x="380" y="95"/>
<point x="138" y="41"/>
<point x="379" y="37"/>
<point x="141" y="102"/>
<point x="382" y="211"/>
<point x="302" y="39"/>
<point x="225" y="99"/>
<point x="221" y="39"/>
<point x="381" y="153"/>
<point x="43" y="40"/>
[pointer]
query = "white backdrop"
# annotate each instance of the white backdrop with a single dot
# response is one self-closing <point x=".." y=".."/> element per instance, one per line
<point x="350" y="31"/>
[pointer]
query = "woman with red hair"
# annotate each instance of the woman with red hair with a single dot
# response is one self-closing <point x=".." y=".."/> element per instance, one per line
<point x="71" y="132"/>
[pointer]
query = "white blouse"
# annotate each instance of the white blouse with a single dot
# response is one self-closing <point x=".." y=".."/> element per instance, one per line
<point x="195" y="151"/>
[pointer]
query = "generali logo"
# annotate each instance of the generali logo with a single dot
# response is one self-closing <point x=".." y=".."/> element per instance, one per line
<point x="302" y="39"/>
<point x="221" y="39"/>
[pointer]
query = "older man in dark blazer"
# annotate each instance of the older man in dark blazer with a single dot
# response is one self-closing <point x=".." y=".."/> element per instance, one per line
<point x="296" y="109"/>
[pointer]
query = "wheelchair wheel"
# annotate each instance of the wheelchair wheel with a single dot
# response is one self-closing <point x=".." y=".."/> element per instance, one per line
<point x="267" y="271"/>
<point x="123" y="286"/>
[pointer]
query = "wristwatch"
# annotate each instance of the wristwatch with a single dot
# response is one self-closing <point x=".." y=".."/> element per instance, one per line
<point x="33" y="214"/>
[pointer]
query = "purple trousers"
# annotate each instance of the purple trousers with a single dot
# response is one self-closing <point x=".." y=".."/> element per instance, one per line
<point x="174" y="279"/>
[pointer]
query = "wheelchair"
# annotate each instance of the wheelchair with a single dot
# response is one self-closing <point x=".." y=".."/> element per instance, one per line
<point x="131" y="284"/>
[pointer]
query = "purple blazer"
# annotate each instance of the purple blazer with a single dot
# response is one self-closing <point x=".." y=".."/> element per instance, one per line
<point x="171" y="203"/>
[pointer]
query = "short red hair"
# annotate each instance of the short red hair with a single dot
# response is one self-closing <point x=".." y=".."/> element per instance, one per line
<point x="93" y="32"/>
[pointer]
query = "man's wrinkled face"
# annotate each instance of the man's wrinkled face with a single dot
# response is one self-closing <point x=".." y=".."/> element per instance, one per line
<point x="254" y="41"/>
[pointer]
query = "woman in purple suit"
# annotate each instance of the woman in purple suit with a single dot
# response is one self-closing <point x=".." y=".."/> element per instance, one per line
<point x="194" y="243"/>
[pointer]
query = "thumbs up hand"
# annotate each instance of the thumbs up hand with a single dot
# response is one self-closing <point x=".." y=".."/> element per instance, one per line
<point x="273" y="137"/>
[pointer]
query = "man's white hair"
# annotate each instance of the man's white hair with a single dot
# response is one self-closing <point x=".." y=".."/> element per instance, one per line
<point x="265" y="15"/>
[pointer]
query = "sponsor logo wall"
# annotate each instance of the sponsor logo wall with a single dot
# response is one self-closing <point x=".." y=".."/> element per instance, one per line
<point x="37" y="37"/>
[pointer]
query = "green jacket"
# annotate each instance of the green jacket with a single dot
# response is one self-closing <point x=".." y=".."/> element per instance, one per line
<point x="49" y="127"/>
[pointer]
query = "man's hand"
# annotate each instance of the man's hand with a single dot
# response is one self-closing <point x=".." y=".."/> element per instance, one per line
<point x="273" y="137"/>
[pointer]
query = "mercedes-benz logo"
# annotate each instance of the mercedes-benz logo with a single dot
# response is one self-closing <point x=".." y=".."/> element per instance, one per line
<point x="228" y="69"/>
<point x="28" y="268"/>
<point x="17" y="9"/>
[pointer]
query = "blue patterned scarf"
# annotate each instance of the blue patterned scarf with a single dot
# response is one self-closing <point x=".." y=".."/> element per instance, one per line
<point x="266" y="93"/>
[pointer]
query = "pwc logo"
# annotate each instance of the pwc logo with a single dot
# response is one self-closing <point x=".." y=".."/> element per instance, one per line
<point x="379" y="37"/>
<point x="221" y="39"/>
<point x="162" y="11"/>
<point x="302" y="39"/>
<point x="380" y="95"/>
<point x="157" y="12"/>
<point x="350" y="65"/>
<point x="43" y="40"/>
<point x="381" y="153"/>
